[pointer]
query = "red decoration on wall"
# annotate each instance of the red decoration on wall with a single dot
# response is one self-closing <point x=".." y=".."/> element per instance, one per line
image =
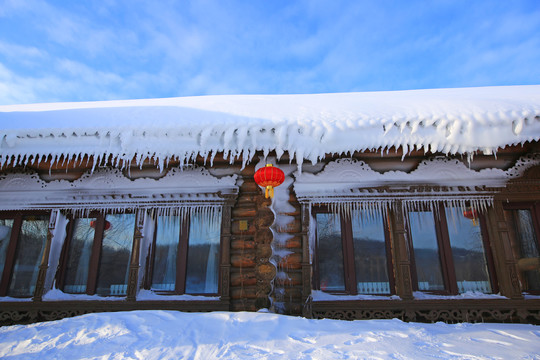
<point x="269" y="177"/>
<point x="107" y="224"/>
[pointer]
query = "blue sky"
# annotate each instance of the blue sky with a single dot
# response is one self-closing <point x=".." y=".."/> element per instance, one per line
<point x="123" y="49"/>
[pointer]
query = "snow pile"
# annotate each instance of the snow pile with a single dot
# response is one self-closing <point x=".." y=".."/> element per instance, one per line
<point x="222" y="335"/>
<point x="306" y="126"/>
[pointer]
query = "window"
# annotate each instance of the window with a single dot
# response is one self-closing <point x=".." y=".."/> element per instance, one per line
<point x="97" y="254"/>
<point x="186" y="254"/>
<point x="525" y="219"/>
<point x="22" y="242"/>
<point x="449" y="251"/>
<point x="353" y="253"/>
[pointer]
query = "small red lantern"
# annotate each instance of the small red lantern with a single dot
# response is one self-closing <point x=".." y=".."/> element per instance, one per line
<point x="107" y="224"/>
<point x="471" y="214"/>
<point x="269" y="177"/>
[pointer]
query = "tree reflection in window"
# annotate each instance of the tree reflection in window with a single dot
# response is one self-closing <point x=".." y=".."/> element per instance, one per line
<point x="98" y="255"/>
<point x="24" y="237"/>
<point x="449" y="252"/>
<point x="352" y="253"/>
<point x="525" y="220"/>
<point x="330" y="252"/>
<point x="426" y="251"/>
<point x="186" y="253"/>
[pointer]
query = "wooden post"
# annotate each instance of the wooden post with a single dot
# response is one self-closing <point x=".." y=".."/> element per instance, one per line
<point x="134" y="266"/>
<point x="225" y="266"/>
<point x="505" y="262"/>
<point x="400" y="255"/>
<point x="306" y="263"/>
<point x="44" y="265"/>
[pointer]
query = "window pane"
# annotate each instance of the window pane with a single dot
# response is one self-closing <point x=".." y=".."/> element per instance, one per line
<point x="330" y="252"/>
<point x="468" y="252"/>
<point x="115" y="254"/>
<point x="30" y="245"/>
<point x="528" y="249"/>
<point x="370" y="253"/>
<point x="203" y="255"/>
<point x="426" y="250"/>
<point x="165" y="253"/>
<point x="5" y="235"/>
<point x="80" y="250"/>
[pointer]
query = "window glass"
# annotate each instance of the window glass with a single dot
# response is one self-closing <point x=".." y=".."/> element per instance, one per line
<point x="30" y="246"/>
<point x="165" y="253"/>
<point x="5" y="235"/>
<point x="370" y="253"/>
<point x="330" y="252"/>
<point x="203" y="255"/>
<point x="78" y="260"/>
<point x="467" y="252"/>
<point x="528" y="257"/>
<point x="113" y="269"/>
<point x="426" y="250"/>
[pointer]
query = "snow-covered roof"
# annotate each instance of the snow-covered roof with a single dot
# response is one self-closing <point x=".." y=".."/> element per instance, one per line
<point x="451" y="121"/>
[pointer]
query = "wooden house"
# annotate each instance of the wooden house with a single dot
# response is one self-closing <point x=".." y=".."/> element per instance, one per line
<point x="420" y="205"/>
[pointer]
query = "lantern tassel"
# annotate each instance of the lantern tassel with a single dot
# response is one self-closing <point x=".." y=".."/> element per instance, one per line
<point x="269" y="192"/>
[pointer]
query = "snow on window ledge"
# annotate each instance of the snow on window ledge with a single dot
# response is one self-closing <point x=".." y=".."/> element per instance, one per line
<point x="149" y="295"/>
<point x="319" y="295"/>
<point x="59" y="295"/>
<point x="143" y="295"/>
<point x="419" y="295"/>
<point x="13" y="299"/>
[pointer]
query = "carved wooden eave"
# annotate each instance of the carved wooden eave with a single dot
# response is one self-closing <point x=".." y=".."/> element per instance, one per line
<point x="525" y="188"/>
<point x="351" y="182"/>
<point x="110" y="189"/>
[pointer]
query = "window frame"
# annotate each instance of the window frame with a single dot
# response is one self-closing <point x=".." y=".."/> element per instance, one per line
<point x="181" y="259"/>
<point x="95" y="255"/>
<point x="445" y="252"/>
<point x="11" y="251"/>
<point x="349" y="265"/>
<point x="534" y="208"/>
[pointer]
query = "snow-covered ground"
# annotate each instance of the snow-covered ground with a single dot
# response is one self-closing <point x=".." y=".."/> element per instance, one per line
<point x="224" y="335"/>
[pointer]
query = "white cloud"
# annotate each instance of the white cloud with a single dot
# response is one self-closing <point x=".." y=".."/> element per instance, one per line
<point x="126" y="49"/>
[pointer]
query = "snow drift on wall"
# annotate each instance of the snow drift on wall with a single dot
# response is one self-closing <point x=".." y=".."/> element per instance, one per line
<point x="451" y="121"/>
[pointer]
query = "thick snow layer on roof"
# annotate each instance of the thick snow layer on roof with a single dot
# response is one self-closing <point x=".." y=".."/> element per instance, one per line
<point x="306" y="126"/>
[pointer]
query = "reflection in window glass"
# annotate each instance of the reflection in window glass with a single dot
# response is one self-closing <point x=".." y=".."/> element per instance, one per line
<point x="467" y="252"/>
<point x="115" y="254"/>
<point x="426" y="250"/>
<point x="528" y="249"/>
<point x="330" y="252"/>
<point x="5" y="235"/>
<point x="165" y="253"/>
<point x="370" y="253"/>
<point x="32" y="239"/>
<point x="78" y="260"/>
<point x="203" y="255"/>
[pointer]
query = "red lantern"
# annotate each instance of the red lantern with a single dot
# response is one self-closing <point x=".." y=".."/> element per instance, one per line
<point x="471" y="214"/>
<point x="269" y="177"/>
<point x="107" y="224"/>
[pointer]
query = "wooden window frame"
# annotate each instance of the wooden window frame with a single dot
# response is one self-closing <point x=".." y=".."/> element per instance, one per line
<point x="349" y="266"/>
<point x="445" y="253"/>
<point x="181" y="260"/>
<point x="95" y="255"/>
<point x="11" y="250"/>
<point x="534" y="208"/>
